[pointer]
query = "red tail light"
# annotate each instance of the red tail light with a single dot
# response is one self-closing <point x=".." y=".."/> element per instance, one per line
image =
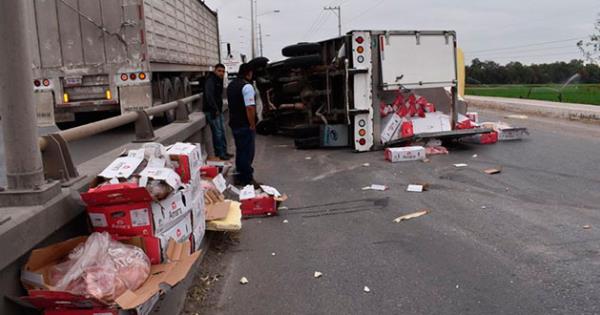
<point x="124" y="77"/>
<point x="133" y="76"/>
<point x="37" y="83"/>
<point x="360" y="40"/>
<point x="362" y="141"/>
<point x="46" y="82"/>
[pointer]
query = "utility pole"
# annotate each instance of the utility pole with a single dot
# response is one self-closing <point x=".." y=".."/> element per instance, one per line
<point x="339" y="16"/>
<point x="260" y="39"/>
<point x="253" y="32"/>
<point x="24" y="170"/>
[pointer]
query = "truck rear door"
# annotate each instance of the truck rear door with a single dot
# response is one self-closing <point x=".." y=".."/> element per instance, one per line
<point x="418" y="59"/>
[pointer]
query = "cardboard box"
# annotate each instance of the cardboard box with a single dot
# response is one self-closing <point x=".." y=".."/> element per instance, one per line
<point x="473" y="116"/>
<point x="232" y="221"/>
<point x="187" y="160"/>
<point x="506" y="132"/>
<point x="334" y="136"/>
<point x="209" y="171"/>
<point x="433" y="122"/>
<point x="166" y="175"/>
<point x="198" y="236"/>
<point x="484" y="138"/>
<point x="413" y="153"/>
<point x="155" y="246"/>
<point x="129" y="210"/>
<point x="390" y="126"/>
<point x="259" y="205"/>
<point x="141" y="301"/>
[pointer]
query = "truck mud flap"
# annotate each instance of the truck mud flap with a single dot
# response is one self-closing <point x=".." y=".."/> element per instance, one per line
<point x="444" y="135"/>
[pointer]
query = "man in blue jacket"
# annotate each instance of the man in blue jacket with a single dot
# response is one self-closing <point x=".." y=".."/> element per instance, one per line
<point x="213" y="109"/>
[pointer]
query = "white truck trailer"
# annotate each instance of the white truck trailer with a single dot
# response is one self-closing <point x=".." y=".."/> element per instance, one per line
<point x="341" y="83"/>
<point x="117" y="55"/>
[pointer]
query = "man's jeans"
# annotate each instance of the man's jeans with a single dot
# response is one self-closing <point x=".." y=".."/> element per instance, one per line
<point x="244" y="154"/>
<point x="217" y="127"/>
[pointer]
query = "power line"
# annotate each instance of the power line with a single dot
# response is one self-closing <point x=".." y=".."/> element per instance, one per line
<point x="367" y="10"/>
<point x="529" y="45"/>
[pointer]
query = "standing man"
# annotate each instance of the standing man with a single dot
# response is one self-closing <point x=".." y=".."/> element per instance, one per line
<point x="242" y="120"/>
<point x="213" y="108"/>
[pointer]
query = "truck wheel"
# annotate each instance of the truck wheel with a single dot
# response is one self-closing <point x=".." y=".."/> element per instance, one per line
<point x="167" y="96"/>
<point x="295" y="62"/>
<point x="301" y="49"/>
<point x="303" y="131"/>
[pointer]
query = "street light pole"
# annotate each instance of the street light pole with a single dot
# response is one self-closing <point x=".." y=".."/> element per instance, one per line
<point x="260" y="39"/>
<point x="253" y="27"/>
<point x="339" y="16"/>
<point x="24" y="168"/>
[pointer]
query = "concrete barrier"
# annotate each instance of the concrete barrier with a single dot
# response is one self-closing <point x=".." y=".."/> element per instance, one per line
<point x="569" y="111"/>
<point x="25" y="228"/>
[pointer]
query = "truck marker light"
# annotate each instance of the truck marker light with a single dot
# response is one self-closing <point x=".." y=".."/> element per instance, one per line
<point x="142" y="76"/>
<point x="132" y="76"/>
<point x="362" y="123"/>
<point x="65" y="97"/>
<point x="108" y="95"/>
<point x="362" y="141"/>
<point x="362" y="132"/>
<point x="37" y="83"/>
<point x="360" y="40"/>
<point x="124" y="77"/>
<point x="46" y="82"/>
<point x="360" y="49"/>
<point x="360" y="59"/>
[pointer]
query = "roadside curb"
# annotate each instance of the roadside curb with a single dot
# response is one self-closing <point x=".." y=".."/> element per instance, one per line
<point x="573" y="112"/>
<point x="173" y="302"/>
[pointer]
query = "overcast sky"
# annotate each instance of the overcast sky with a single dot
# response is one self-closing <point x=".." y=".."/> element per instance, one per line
<point x="541" y="30"/>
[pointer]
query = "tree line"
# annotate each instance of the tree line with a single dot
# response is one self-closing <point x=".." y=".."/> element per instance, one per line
<point x="490" y="72"/>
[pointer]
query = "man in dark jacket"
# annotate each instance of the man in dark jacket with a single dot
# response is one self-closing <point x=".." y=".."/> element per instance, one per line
<point x="242" y="120"/>
<point x="213" y="108"/>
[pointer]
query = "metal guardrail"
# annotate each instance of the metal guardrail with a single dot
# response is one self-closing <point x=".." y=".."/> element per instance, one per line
<point x="58" y="164"/>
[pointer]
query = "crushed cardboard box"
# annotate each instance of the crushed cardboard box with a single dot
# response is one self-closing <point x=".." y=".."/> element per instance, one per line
<point x="231" y="223"/>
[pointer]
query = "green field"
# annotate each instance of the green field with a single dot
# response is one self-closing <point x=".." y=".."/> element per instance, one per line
<point x="576" y="93"/>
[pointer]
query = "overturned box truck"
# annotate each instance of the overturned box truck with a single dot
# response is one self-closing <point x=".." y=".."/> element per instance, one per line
<point x="366" y="90"/>
<point x="117" y="55"/>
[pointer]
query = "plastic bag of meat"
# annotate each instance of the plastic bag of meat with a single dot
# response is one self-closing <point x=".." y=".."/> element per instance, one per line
<point x="101" y="268"/>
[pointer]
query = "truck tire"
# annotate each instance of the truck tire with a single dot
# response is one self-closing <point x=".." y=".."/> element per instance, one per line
<point x="301" y="49"/>
<point x="295" y="62"/>
<point x="303" y="131"/>
<point x="167" y="96"/>
<point x="308" y="143"/>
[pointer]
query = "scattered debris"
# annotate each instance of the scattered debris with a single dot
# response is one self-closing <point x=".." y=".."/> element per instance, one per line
<point x="426" y="160"/>
<point x="413" y="153"/>
<point x="483" y="207"/>
<point x="505" y="131"/>
<point x="415" y="188"/>
<point x="285" y="221"/>
<point x="244" y="280"/>
<point x="273" y="254"/>
<point x="475" y="156"/>
<point x="308" y="158"/>
<point x="523" y="117"/>
<point x="587" y="227"/>
<point x="461" y="165"/>
<point x="366" y="164"/>
<point x="318" y="274"/>
<point x="457" y="286"/>
<point x="366" y="289"/>
<point x="492" y="171"/>
<point x="411" y="216"/>
<point x="283" y="208"/>
<point x="376" y="187"/>
<point x="437" y="150"/>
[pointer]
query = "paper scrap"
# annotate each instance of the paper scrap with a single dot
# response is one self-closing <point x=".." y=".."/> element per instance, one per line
<point x="587" y="227"/>
<point x="285" y="221"/>
<point x="308" y="158"/>
<point x="220" y="183"/>
<point x="247" y="192"/>
<point x="492" y="171"/>
<point x="376" y="187"/>
<point x="414" y="188"/>
<point x="234" y="189"/>
<point x="243" y="280"/>
<point x="318" y="274"/>
<point x="475" y="156"/>
<point x="366" y="289"/>
<point x="483" y="207"/>
<point x="461" y="165"/>
<point x="270" y="190"/>
<point x="517" y="116"/>
<point x="273" y="254"/>
<point x="411" y="216"/>
<point x="366" y="164"/>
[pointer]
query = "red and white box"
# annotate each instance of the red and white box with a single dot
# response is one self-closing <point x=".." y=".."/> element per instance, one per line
<point x="484" y="138"/>
<point x="473" y="116"/>
<point x="259" y="206"/>
<point x="403" y="154"/>
<point x="187" y="160"/>
<point x="209" y="171"/>
<point x="390" y="126"/>
<point x="432" y="122"/>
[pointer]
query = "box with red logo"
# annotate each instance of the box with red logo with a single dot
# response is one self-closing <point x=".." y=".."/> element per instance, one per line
<point x="484" y="138"/>
<point x="34" y="277"/>
<point x="413" y="153"/>
<point x="209" y="171"/>
<point x="155" y="246"/>
<point x="390" y="126"/>
<point x="187" y="160"/>
<point x="259" y="205"/>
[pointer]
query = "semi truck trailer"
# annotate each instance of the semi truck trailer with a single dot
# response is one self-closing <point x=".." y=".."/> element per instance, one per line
<point x="330" y="93"/>
<point x="117" y="55"/>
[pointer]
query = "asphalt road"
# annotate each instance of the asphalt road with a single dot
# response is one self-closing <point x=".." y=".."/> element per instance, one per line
<point x="512" y="243"/>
